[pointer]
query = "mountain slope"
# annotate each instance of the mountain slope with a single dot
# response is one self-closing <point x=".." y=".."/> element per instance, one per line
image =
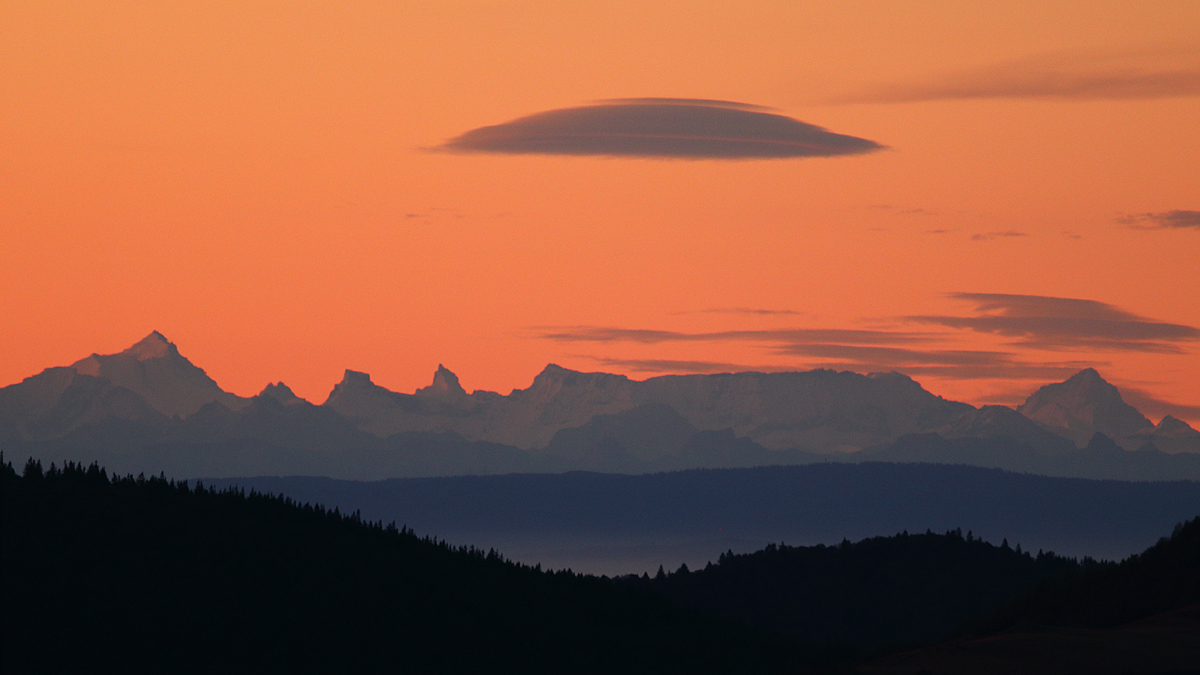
<point x="56" y="401"/>
<point x="155" y="370"/>
<point x="1171" y="435"/>
<point x="149" y="380"/>
<point x="995" y="421"/>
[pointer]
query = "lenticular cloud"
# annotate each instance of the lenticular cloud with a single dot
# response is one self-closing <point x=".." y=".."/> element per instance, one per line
<point x="661" y="128"/>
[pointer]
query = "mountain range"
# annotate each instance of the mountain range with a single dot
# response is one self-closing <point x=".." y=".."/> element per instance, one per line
<point x="149" y="408"/>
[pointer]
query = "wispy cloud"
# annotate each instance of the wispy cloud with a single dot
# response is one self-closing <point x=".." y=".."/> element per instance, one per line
<point x="1051" y="76"/>
<point x="661" y="128"/>
<point x="1064" y="323"/>
<point x="988" y="236"/>
<point x="676" y="366"/>
<point x="896" y="356"/>
<point x="786" y="335"/>
<point x="1015" y="370"/>
<point x="1163" y="220"/>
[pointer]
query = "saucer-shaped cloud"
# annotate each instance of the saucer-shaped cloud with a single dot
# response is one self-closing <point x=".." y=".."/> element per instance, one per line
<point x="664" y="128"/>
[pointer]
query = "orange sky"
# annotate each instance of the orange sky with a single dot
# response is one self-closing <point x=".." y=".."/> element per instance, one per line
<point x="259" y="182"/>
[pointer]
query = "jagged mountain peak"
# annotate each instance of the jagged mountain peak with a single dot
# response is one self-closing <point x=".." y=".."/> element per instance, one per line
<point x="892" y="376"/>
<point x="555" y="379"/>
<point x="1173" y="427"/>
<point x="554" y="370"/>
<point x="154" y="369"/>
<point x="354" y="384"/>
<point x="445" y="383"/>
<point x="282" y="393"/>
<point x="355" y="378"/>
<point x="153" y="346"/>
<point x="1084" y="404"/>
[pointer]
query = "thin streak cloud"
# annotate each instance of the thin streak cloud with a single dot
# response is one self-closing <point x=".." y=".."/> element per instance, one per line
<point x="744" y="310"/>
<point x="675" y="366"/>
<point x="1087" y="77"/>
<point x="1013" y="371"/>
<point x="988" y="236"/>
<point x="793" y="335"/>
<point x="661" y="128"/>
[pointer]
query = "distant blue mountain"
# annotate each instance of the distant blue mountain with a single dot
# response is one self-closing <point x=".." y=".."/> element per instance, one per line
<point x="150" y="410"/>
<point x="615" y="524"/>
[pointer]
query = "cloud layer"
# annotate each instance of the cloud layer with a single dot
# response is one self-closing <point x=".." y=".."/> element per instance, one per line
<point x="1065" y="323"/>
<point x="661" y="128"/>
<point x="1089" y="77"/>
<point x="1163" y="220"/>
<point x="1031" y="322"/>
<point x="840" y="349"/>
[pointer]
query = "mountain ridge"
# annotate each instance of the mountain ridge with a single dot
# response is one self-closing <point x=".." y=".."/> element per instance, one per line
<point x="567" y="420"/>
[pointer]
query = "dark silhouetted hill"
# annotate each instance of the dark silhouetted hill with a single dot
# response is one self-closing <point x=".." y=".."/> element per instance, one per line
<point x="1141" y="615"/>
<point x="1164" y="577"/>
<point x="149" y="575"/>
<point x="878" y="592"/>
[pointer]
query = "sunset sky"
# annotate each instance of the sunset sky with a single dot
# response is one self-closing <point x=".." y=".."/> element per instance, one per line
<point x="998" y="194"/>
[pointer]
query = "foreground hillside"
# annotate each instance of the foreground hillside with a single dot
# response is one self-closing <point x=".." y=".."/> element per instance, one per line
<point x="1164" y="577"/>
<point x="1139" y="616"/>
<point x="879" y="592"/>
<point x="128" y="574"/>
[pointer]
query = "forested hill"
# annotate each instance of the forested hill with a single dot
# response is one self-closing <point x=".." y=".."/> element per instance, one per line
<point x="1141" y="615"/>
<point x="876" y="593"/>
<point x="127" y="575"/>
<point x="1164" y="577"/>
